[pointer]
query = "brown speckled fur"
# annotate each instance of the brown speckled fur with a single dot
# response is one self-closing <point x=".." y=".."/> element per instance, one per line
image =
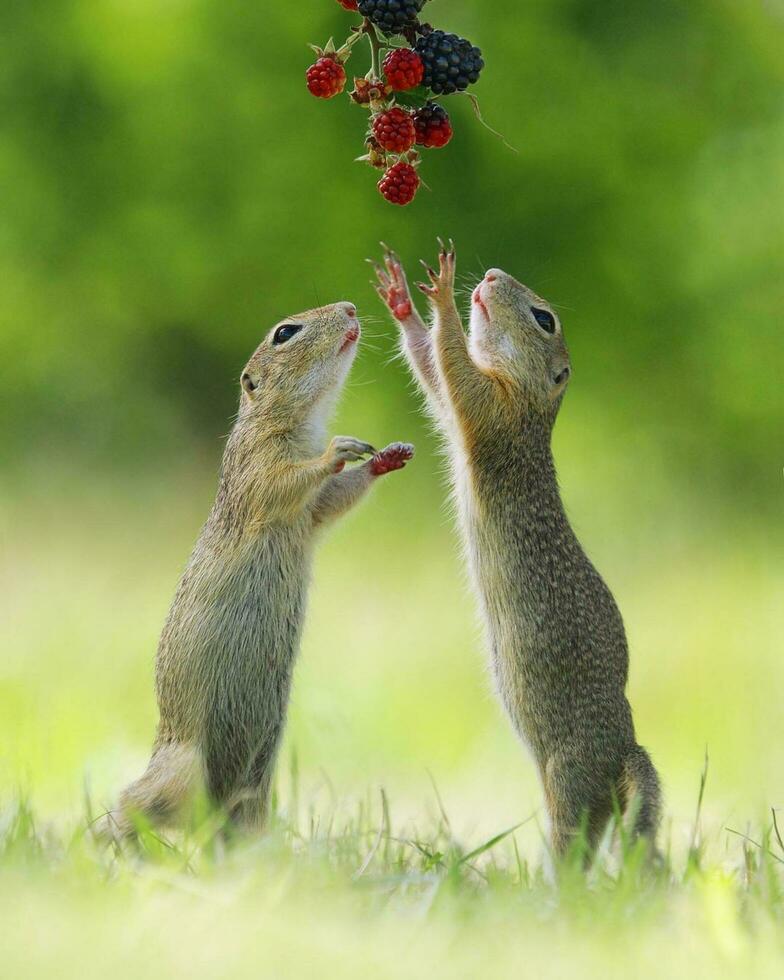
<point x="227" y="651"/>
<point x="557" y="642"/>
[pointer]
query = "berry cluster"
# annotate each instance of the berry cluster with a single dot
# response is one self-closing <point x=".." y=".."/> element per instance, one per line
<point x="410" y="62"/>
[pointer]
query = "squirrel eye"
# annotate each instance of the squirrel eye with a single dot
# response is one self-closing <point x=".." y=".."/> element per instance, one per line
<point x="286" y="332"/>
<point x="560" y="378"/>
<point x="247" y="382"/>
<point x="544" y="318"/>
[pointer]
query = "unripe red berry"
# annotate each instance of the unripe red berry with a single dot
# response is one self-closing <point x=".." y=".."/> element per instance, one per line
<point x="399" y="184"/>
<point x="348" y="4"/>
<point x="404" y="69"/>
<point x="433" y="128"/>
<point x="394" y="130"/>
<point x="326" y="78"/>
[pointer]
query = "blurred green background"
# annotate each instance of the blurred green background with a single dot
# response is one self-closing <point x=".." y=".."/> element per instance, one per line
<point x="170" y="190"/>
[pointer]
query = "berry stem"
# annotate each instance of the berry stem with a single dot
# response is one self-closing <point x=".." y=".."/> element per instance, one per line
<point x="375" y="46"/>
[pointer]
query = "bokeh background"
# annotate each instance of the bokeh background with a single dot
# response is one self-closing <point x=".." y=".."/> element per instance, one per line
<point x="170" y="189"/>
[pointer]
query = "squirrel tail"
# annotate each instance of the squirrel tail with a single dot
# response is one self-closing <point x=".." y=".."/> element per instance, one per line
<point x="641" y="792"/>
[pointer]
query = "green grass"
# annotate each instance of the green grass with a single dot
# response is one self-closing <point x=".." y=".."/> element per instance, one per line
<point x="391" y="691"/>
<point x="333" y="894"/>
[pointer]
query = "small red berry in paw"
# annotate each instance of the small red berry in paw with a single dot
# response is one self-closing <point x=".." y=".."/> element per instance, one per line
<point x="399" y="184"/>
<point x="348" y="4"/>
<point x="326" y="78"/>
<point x="394" y="457"/>
<point x="432" y="125"/>
<point x="404" y="69"/>
<point x="394" y="130"/>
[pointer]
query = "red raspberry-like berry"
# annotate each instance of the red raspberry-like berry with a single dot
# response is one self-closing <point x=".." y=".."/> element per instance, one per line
<point x="432" y="125"/>
<point x="326" y="78"/>
<point x="348" y="4"/>
<point x="394" y="130"/>
<point x="399" y="184"/>
<point x="404" y="69"/>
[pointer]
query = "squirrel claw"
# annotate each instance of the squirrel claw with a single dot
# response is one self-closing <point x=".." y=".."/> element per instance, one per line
<point x="431" y="272"/>
<point x="443" y="281"/>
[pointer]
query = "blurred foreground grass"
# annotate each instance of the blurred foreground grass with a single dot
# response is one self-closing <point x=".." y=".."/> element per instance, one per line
<point x="326" y="896"/>
<point x="391" y="691"/>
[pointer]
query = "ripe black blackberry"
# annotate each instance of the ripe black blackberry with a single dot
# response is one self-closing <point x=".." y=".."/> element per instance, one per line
<point x="451" y="63"/>
<point x="391" y="16"/>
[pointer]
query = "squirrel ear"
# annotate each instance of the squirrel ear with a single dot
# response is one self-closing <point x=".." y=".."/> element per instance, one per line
<point x="249" y="386"/>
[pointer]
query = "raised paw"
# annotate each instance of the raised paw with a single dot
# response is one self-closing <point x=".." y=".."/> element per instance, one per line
<point x="394" y="457"/>
<point x="345" y="449"/>
<point x="442" y="283"/>
<point x="392" y="286"/>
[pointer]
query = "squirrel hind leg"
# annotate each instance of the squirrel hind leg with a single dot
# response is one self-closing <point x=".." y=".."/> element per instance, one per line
<point x="578" y="805"/>
<point x="249" y="808"/>
<point x="171" y="780"/>
<point x="640" y="792"/>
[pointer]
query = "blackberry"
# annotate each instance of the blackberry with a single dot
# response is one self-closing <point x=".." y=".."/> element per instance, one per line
<point x="391" y="16"/>
<point x="451" y="63"/>
<point x="432" y="125"/>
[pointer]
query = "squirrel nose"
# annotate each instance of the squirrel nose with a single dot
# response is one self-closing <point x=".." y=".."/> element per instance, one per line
<point x="349" y="309"/>
<point x="492" y="274"/>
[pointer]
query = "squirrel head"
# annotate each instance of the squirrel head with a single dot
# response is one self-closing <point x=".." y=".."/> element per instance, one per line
<point x="517" y="335"/>
<point x="300" y="366"/>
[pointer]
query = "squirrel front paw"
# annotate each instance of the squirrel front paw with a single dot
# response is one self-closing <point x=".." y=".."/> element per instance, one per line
<point x="394" y="457"/>
<point x="441" y="292"/>
<point x="392" y="286"/>
<point x="344" y="449"/>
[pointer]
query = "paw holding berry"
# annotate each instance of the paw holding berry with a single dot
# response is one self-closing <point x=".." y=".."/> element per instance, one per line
<point x="394" y="457"/>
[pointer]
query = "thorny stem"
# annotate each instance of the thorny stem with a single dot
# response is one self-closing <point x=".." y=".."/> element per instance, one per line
<point x="375" y="46"/>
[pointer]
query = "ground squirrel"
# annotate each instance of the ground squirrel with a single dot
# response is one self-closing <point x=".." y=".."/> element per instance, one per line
<point x="557" y="641"/>
<point x="226" y="654"/>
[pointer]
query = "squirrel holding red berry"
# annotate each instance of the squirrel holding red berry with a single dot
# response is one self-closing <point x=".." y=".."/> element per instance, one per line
<point x="227" y="651"/>
<point x="398" y="88"/>
<point x="557" y="641"/>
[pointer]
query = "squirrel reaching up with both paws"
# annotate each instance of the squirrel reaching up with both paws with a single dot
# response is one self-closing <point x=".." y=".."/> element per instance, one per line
<point x="557" y="642"/>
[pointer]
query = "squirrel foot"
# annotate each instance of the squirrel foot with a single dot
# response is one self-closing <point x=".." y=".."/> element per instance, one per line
<point x="394" y="457"/>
